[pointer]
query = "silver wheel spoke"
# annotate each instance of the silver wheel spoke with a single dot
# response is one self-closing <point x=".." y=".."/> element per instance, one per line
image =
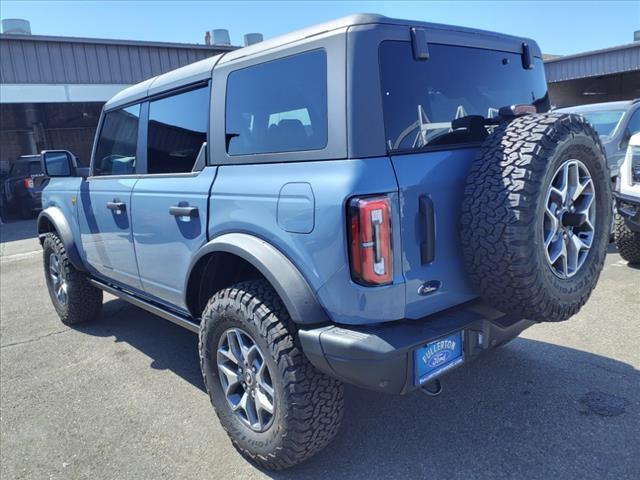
<point x="228" y="354"/>
<point x="264" y="385"/>
<point x="263" y="403"/>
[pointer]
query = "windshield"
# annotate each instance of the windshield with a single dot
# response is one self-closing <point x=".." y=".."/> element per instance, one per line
<point x="421" y="98"/>
<point x="604" y="121"/>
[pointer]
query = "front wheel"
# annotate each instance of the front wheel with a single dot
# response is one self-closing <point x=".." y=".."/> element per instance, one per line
<point x="73" y="297"/>
<point x="275" y="406"/>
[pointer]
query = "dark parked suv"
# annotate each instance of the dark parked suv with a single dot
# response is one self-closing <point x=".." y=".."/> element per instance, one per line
<point x="368" y="201"/>
<point x="23" y="186"/>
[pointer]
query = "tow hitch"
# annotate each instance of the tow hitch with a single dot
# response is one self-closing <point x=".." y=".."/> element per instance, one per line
<point x="433" y="388"/>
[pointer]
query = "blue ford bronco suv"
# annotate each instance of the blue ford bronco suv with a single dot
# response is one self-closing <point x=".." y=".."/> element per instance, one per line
<point x="368" y="201"/>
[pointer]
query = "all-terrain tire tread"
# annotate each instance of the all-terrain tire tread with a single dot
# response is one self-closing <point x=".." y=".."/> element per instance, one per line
<point x="498" y="215"/>
<point x="316" y="399"/>
<point x="627" y="241"/>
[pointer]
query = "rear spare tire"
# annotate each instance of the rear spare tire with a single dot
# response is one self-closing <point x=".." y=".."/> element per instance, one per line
<point x="536" y="216"/>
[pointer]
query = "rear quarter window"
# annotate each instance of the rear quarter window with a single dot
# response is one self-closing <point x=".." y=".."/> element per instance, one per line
<point x="278" y="106"/>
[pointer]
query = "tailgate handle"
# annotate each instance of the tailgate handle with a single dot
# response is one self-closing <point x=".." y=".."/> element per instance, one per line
<point x="427" y="216"/>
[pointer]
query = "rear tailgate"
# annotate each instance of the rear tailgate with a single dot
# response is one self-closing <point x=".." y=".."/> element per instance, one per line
<point x="435" y="178"/>
<point x="422" y="96"/>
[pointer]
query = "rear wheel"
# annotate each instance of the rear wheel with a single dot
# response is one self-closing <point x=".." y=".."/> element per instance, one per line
<point x="627" y="241"/>
<point x="73" y="297"/>
<point x="275" y="406"/>
<point x="536" y="216"/>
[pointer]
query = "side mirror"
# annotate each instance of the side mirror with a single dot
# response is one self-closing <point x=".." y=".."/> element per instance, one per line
<point x="58" y="163"/>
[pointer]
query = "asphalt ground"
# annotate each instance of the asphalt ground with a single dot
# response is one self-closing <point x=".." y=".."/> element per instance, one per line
<point x="122" y="397"/>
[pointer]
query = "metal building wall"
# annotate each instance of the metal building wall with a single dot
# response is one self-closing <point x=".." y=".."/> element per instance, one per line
<point x="60" y="60"/>
<point x="625" y="58"/>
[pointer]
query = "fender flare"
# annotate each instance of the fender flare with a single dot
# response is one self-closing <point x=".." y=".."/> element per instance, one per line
<point x="55" y="216"/>
<point x="280" y="272"/>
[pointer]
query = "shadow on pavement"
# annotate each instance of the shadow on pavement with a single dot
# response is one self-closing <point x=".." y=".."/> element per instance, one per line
<point x="495" y="419"/>
<point x="15" y="230"/>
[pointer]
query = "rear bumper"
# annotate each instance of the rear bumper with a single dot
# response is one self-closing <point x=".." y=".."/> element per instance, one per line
<point x="381" y="357"/>
<point x="629" y="209"/>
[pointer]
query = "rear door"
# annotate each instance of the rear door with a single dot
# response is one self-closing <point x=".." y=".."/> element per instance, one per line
<point x="104" y="203"/>
<point x="421" y="97"/>
<point x="170" y="201"/>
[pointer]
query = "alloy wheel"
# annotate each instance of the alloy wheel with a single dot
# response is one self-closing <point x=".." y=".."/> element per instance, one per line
<point x="246" y="379"/>
<point x="569" y="218"/>
<point x="58" y="278"/>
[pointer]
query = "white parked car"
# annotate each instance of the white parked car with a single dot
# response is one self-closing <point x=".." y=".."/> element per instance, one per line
<point x="627" y="195"/>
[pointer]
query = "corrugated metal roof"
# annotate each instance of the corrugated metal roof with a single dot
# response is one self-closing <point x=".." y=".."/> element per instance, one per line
<point x="624" y="58"/>
<point x="69" y="60"/>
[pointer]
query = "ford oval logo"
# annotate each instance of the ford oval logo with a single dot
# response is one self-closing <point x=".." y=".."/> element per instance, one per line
<point x="429" y="287"/>
<point x="439" y="358"/>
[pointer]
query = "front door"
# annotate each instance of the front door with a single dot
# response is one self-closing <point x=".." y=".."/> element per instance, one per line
<point x="104" y="203"/>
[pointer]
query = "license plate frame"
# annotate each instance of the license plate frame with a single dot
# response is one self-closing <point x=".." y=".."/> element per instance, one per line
<point x="438" y="356"/>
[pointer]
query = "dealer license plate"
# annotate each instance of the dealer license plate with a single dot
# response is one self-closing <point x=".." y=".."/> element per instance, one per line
<point x="437" y="357"/>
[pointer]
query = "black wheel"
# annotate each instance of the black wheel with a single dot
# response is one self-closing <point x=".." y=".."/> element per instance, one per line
<point x="536" y="216"/>
<point x="74" y="298"/>
<point x="275" y="406"/>
<point x="627" y="241"/>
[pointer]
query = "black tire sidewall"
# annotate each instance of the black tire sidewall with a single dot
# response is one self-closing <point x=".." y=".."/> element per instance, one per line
<point x="52" y="247"/>
<point x="579" y="147"/>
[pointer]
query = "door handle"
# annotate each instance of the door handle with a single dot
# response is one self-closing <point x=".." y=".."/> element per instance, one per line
<point x="116" y="206"/>
<point x="183" y="211"/>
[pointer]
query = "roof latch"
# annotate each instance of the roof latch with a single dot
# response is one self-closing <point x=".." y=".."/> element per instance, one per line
<point x="419" y="43"/>
<point x="527" y="59"/>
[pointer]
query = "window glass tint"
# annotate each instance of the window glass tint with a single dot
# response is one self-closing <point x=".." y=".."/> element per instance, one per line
<point x="278" y="106"/>
<point x="634" y="123"/>
<point x="421" y="98"/>
<point x="116" y="150"/>
<point x="177" y="130"/>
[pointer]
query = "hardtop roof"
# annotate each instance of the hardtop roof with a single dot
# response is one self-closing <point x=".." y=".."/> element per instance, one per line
<point x="202" y="70"/>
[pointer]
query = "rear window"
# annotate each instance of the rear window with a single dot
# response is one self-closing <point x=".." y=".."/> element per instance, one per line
<point x="177" y="130"/>
<point x="422" y="98"/>
<point x="278" y="106"/>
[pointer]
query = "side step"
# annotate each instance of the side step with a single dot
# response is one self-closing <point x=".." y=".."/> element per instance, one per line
<point x="148" y="306"/>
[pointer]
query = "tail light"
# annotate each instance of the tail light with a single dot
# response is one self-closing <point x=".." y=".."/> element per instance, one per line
<point x="28" y="182"/>
<point x="370" y="240"/>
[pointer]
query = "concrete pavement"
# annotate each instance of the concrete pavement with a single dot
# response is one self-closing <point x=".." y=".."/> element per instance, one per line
<point x="122" y="397"/>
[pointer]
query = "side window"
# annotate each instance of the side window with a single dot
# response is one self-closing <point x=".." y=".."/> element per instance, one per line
<point x="116" y="149"/>
<point x="177" y="130"/>
<point x="278" y="106"/>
